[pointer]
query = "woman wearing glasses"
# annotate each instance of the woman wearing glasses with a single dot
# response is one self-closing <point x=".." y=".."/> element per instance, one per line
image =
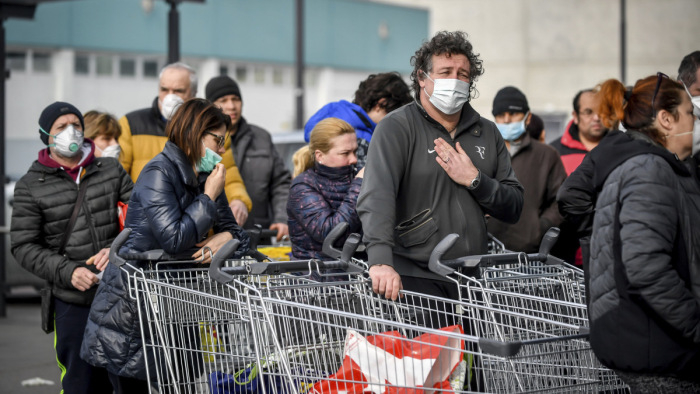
<point x="176" y="201"/>
<point x="644" y="304"/>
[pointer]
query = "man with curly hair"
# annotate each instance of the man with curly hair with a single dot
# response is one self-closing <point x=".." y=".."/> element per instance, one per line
<point x="435" y="167"/>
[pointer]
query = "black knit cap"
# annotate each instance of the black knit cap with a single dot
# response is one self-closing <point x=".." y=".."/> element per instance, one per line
<point x="221" y="86"/>
<point x="53" y="112"/>
<point x="509" y="99"/>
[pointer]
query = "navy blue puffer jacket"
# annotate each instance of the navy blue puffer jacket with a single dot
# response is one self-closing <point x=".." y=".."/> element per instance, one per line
<point x="319" y="199"/>
<point x="168" y="210"/>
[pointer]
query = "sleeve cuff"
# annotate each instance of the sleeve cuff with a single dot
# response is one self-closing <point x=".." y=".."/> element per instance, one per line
<point x="380" y="254"/>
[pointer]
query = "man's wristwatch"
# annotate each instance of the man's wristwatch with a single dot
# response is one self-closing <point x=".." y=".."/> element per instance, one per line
<point x="475" y="181"/>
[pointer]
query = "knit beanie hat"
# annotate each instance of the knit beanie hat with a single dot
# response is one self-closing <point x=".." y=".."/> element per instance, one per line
<point x="53" y="112"/>
<point x="509" y="99"/>
<point x="220" y="86"/>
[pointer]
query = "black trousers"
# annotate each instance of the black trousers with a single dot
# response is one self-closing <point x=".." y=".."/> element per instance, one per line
<point x="77" y="376"/>
<point x="124" y="385"/>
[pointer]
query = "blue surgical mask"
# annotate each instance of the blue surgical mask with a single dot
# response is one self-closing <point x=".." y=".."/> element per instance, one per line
<point x="209" y="161"/>
<point x="512" y="131"/>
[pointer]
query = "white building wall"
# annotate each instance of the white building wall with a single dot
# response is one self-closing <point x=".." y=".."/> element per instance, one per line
<point x="550" y="49"/>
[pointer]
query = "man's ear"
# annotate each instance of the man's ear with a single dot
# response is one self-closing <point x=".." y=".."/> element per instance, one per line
<point x="527" y="120"/>
<point x="575" y="115"/>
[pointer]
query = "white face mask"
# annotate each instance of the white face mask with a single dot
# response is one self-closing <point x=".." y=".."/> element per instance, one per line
<point x="169" y="105"/>
<point x="696" y="130"/>
<point x="449" y="95"/>
<point x="110" y="151"/>
<point x="67" y="142"/>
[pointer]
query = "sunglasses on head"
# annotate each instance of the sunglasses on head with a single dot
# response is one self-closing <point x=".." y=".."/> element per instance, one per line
<point x="659" y="78"/>
<point x="220" y="141"/>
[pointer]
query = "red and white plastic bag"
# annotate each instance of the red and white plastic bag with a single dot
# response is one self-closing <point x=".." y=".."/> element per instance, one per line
<point x="390" y="363"/>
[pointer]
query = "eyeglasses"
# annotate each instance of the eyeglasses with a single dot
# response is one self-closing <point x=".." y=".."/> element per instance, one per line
<point x="659" y="75"/>
<point x="220" y="141"/>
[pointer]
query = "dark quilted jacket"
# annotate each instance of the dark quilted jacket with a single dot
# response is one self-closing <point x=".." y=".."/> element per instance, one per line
<point x="168" y="211"/>
<point x="43" y="204"/>
<point x="319" y="199"/>
<point x="645" y="292"/>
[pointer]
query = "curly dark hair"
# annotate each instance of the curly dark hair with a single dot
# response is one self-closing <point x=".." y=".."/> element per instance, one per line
<point x="446" y="43"/>
<point x="388" y="86"/>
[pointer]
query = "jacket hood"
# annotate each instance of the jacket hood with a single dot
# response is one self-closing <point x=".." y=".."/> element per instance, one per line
<point x="617" y="147"/>
<point x="347" y="111"/>
<point x="571" y="138"/>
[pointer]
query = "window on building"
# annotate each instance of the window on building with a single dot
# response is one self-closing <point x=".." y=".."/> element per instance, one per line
<point x="277" y="76"/>
<point x="259" y="75"/>
<point x="150" y="68"/>
<point x="41" y="62"/>
<point x="104" y="64"/>
<point x="223" y="69"/>
<point x="16" y="61"/>
<point x="241" y="73"/>
<point x="127" y="67"/>
<point x="82" y="64"/>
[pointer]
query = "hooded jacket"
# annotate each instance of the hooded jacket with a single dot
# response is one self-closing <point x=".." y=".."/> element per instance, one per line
<point x="353" y="114"/>
<point x="169" y="211"/>
<point x="43" y="204"/>
<point x="143" y="137"/>
<point x="570" y="148"/>
<point x="320" y="198"/>
<point x="408" y="203"/>
<point x="264" y="173"/>
<point x="645" y="263"/>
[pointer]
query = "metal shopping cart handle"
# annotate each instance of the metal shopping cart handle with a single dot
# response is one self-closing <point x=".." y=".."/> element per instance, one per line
<point x="349" y="248"/>
<point x="511" y="348"/>
<point x="447" y="267"/>
<point x="119" y="260"/>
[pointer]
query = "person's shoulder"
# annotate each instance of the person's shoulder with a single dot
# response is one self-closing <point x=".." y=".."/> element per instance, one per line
<point x="137" y="113"/>
<point x="545" y="149"/>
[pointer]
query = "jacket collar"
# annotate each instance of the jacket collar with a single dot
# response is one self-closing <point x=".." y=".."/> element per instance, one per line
<point x="173" y="153"/>
<point x="155" y="113"/>
<point x="344" y="173"/>
<point x="468" y="118"/>
<point x="571" y="138"/>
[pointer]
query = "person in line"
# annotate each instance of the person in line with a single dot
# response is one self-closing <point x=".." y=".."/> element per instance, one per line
<point x="582" y="134"/>
<point x="325" y="188"/>
<point x="376" y="96"/>
<point x="689" y="76"/>
<point x="65" y="241"/>
<point x="143" y="133"/>
<point x="265" y="176"/>
<point x="434" y="167"/>
<point x="537" y="166"/>
<point x="536" y="128"/>
<point x="104" y="130"/>
<point x="644" y="309"/>
<point x="177" y="200"/>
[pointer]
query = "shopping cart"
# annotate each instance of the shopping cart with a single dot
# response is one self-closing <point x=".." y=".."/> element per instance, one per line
<point x="537" y="285"/>
<point x="316" y="327"/>
<point x="191" y="324"/>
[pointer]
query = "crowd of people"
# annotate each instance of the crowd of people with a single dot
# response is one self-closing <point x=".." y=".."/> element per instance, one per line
<point x="404" y="166"/>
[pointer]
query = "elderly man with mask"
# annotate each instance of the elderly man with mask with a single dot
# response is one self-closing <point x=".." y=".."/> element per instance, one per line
<point x="143" y="131"/>
<point x="537" y="166"/>
<point x="434" y="167"/>
<point x="63" y="221"/>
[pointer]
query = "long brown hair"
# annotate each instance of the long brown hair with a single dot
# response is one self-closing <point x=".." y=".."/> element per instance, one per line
<point x="634" y="108"/>
<point x="319" y="139"/>
<point x="190" y="121"/>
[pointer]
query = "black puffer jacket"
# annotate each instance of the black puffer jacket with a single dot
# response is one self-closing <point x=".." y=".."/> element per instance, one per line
<point x="263" y="171"/>
<point x="645" y="267"/>
<point x="168" y="210"/>
<point x="43" y="204"/>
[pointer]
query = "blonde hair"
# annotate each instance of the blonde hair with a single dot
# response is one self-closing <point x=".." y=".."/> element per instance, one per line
<point x="319" y="139"/>
<point x="101" y="123"/>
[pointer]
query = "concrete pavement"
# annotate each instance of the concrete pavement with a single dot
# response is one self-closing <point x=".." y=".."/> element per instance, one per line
<point x="26" y="352"/>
